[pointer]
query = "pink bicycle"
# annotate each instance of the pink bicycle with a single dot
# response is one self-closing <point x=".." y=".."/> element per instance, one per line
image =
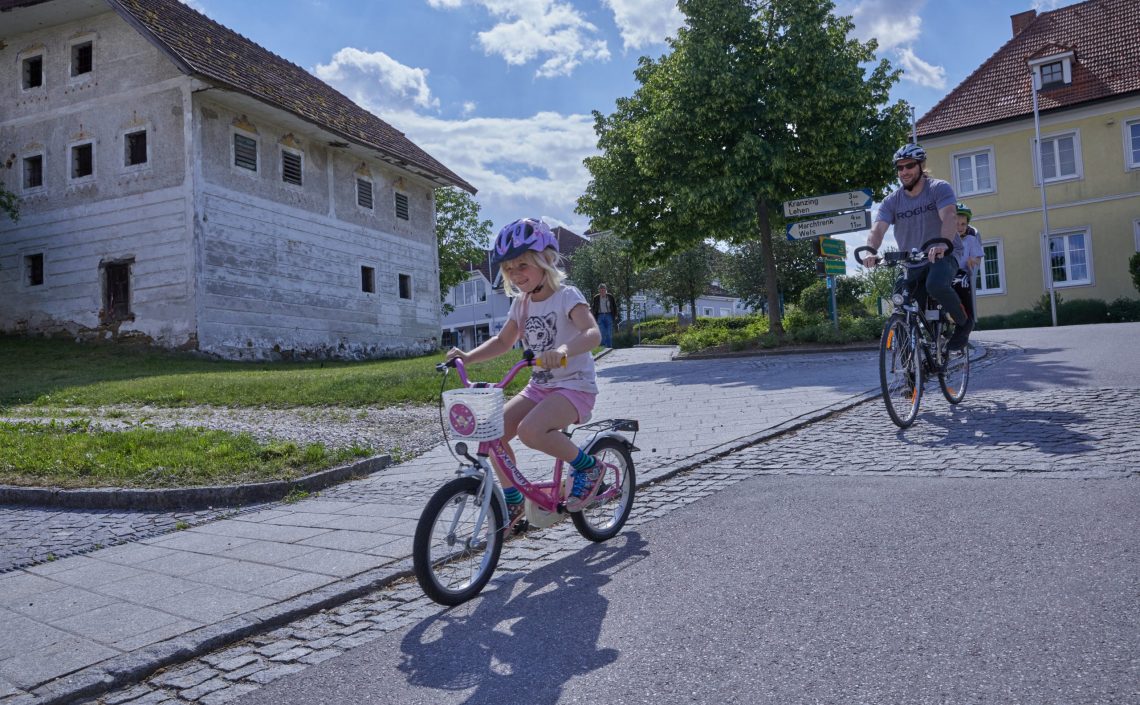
<point x="461" y="531"/>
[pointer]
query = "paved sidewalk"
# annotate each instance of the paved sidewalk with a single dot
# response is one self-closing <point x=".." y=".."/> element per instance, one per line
<point x="79" y="626"/>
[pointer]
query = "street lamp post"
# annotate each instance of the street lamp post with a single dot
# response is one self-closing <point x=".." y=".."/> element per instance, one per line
<point x="1035" y="79"/>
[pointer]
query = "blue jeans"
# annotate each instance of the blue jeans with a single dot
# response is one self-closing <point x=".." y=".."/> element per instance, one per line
<point x="606" y="325"/>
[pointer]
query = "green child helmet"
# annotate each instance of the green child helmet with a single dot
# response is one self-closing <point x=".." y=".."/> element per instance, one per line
<point x="963" y="209"/>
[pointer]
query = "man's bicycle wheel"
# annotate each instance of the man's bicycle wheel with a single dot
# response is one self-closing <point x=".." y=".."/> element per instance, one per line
<point x="900" y="371"/>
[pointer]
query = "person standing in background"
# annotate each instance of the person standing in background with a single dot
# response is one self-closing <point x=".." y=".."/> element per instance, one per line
<point x="604" y="308"/>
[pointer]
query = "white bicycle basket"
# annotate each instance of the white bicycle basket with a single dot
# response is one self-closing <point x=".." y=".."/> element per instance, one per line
<point x="474" y="414"/>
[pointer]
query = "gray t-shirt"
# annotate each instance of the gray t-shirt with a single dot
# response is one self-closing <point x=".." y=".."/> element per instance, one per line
<point x="547" y="325"/>
<point x="916" y="219"/>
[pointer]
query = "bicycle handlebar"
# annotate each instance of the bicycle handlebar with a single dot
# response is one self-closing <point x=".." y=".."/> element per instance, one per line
<point x="916" y="255"/>
<point x="529" y="360"/>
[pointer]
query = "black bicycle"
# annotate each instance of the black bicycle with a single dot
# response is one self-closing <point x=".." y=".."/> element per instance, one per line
<point x="913" y="344"/>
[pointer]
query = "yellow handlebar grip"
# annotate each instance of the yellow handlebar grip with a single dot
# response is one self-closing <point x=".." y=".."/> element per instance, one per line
<point x="538" y="362"/>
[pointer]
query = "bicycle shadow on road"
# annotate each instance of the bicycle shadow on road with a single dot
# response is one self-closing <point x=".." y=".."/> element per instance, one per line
<point x="523" y="640"/>
<point x="994" y="423"/>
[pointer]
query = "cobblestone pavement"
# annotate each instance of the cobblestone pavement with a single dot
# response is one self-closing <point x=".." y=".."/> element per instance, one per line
<point x="996" y="433"/>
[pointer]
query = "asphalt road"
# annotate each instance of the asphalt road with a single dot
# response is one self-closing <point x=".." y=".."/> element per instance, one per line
<point x="802" y="588"/>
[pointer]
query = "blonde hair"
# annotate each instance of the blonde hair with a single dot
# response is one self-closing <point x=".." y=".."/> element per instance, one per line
<point x="549" y="261"/>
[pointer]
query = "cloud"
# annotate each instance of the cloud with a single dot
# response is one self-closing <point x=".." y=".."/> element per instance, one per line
<point x="645" y="22"/>
<point x="551" y="32"/>
<point x="918" y="71"/>
<point x="375" y="77"/>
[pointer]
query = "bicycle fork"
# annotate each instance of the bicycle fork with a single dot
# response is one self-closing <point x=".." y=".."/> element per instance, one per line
<point x="489" y="491"/>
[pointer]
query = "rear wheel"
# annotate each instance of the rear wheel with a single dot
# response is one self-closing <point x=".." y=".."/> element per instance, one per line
<point x="956" y="375"/>
<point x="603" y="518"/>
<point x="452" y="560"/>
<point x="900" y="372"/>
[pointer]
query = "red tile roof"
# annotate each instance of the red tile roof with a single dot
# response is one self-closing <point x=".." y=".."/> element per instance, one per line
<point x="1105" y="38"/>
<point x="204" y="48"/>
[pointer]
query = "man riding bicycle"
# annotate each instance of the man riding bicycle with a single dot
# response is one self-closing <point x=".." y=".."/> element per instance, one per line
<point x="923" y="209"/>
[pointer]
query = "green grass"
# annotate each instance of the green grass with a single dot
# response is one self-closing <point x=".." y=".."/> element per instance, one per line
<point x="75" y="454"/>
<point x="51" y="373"/>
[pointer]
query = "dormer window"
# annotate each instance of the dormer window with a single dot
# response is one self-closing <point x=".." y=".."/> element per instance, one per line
<point x="1053" y="70"/>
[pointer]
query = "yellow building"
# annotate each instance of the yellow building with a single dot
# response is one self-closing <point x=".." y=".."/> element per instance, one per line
<point x="1085" y="59"/>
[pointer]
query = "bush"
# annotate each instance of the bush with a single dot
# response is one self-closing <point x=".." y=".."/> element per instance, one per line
<point x="1078" y="311"/>
<point x="797" y="317"/>
<point x="654" y="328"/>
<point x="1134" y="268"/>
<point x="738" y="332"/>
<point x="1124" y="310"/>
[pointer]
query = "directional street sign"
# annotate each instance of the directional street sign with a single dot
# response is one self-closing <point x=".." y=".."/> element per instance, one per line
<point x="832" y="248"/>
<point x="828" y="204"/>
<point x="831" y="225"/>
<point x="834" y="266"/>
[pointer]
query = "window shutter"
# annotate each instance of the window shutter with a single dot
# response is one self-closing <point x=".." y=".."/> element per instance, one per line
<point x="291" y="168"/>
<point x="402" y="206"/>
<point x="364" y="193"/>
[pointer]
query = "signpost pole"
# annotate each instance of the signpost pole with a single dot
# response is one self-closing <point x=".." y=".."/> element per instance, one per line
<point x="834" y="308"/>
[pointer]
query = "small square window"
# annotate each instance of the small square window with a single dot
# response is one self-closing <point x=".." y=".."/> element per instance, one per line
<point x="34" y="268"/>
<point x="405" y="286"/>
<point x="81" y="58"/>
<point x="33" y="71"/>
<point x="1052" y="73"/>
<point x="245" y="152"/>
<point x="402" y="206"/>
<point x="33" y="171"/>
<point x="364" y="193"/>
<point x="134" y="148"/>
<point x="368" y="280"/>
<point x="82" y="160"/>
<point x="291" y="167"/>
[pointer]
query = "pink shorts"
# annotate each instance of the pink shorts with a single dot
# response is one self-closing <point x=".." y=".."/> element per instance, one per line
<point x="583" y="401"/>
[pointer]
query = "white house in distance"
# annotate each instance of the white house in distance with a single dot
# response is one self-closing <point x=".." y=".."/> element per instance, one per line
<point x="181" y="185"/>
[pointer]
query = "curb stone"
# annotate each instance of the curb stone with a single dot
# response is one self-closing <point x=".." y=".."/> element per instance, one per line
<point x="187" y="497"/>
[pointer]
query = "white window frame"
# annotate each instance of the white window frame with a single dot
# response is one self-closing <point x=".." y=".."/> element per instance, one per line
<point x="1066" y="60"/>
<point x="28" y="191"/>
<point x="1136" y="234"/>
<point x="31" y="54"/>
<point x="1078" y="161"/>
<point x="1047" y="260"/>
<point x="1131" y="146"/>
<point x="707" y="311"/>
<point x="465" y="293"/>
<point x="256" y="152"/>
<point x="281" y="166"/>
<point x="73" y="77"/>
<point x="971" y="155"/>
<point x="131" y="168"/>
<point x="71" y="162"/>
<point x="980" y="273"/>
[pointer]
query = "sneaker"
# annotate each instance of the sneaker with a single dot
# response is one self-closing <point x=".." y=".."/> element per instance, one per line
<point x="585" y="487"/>
<point x="516" y="517"/>
<point x="961" y="336"/>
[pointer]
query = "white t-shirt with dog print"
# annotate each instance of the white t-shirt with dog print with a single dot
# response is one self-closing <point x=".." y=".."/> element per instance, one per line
<point x="547" y="325"/>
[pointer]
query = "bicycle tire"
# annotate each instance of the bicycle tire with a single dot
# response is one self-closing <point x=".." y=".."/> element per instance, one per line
<point x="955" y="376"/>
<point x="901" y="372"/>
<point x="603" y="519"/>
<point x="451" y="565"/>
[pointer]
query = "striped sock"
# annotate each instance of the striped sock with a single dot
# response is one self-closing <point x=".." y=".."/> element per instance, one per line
<point x="512" y="495"/>
<point x="583" y="461"/>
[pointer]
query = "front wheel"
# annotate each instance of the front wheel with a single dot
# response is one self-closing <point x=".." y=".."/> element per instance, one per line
<point x="901" y="373"/>
<point x="453" y="559"/>
<point x="604" y="517"/>
<point x="955" y="376"/>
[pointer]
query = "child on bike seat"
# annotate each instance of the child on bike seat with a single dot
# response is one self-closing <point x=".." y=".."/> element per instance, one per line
<point x="553" y="319"/>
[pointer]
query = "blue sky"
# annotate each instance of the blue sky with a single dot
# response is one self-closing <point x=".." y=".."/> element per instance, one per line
<point x="501" y="91"/>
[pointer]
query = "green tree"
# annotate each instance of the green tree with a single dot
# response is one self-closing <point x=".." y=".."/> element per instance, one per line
<point x="8" y="204"/>
<point x="1134" y="267"/>
<point x="610" y="260"/>
<point x="460" y="236"/>
<point x="684" y="277"/>
<point x="848" y="296"/>
<point x="879" y="283"/>
<point x="758" y="102"/>
<point x="744" y="270"/>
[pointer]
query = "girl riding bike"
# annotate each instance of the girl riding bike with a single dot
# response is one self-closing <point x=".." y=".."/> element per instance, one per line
<point x="553" y="320"/>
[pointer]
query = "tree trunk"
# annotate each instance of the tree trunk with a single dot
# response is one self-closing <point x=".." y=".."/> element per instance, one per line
<point x="775" y="325"/>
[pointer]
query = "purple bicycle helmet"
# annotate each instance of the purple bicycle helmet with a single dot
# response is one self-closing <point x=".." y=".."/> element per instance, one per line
<point x="910" y="151"/>
<point x="522" y="235"/>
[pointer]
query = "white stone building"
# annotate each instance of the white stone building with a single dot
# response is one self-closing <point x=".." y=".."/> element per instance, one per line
<point x="181" y="185"/>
